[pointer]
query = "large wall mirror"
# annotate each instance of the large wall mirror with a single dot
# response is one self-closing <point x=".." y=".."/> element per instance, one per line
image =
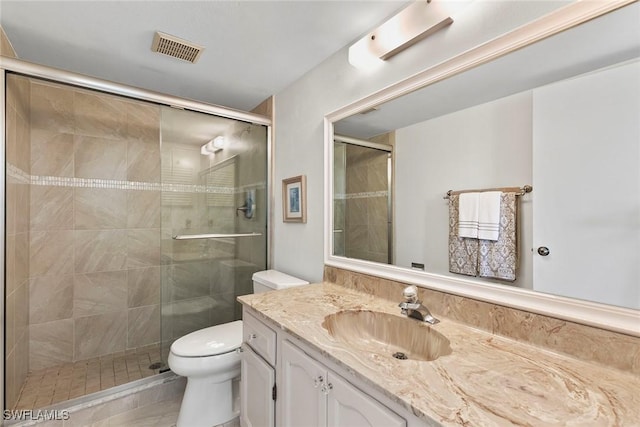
<point x="561" y="114"/>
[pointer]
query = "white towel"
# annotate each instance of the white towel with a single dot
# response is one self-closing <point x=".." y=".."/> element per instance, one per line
<point x="468" y="215"/>
<point x="489" y="215"/>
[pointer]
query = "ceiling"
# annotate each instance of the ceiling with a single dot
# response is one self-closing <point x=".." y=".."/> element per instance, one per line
<point x="253" y="49"/>
<point x="602" y="42"/>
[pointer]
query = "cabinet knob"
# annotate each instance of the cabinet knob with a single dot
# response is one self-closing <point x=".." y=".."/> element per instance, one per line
<point x="326" y="388"/>
<point x="239" y="350"/>
<point x="317" y="381"/>
<point x="252" y="337"/>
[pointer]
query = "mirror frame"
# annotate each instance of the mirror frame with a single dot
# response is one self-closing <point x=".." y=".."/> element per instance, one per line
<point x="609" y="317"/>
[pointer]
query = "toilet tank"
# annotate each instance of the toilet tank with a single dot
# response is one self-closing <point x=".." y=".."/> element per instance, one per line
<point x="269" y="280"/>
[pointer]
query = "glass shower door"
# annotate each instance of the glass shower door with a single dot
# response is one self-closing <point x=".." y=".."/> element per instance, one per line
<point x="214" y="218"/>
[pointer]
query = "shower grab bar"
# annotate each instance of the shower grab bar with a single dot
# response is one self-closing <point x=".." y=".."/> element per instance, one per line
<point x="213" y="236"/>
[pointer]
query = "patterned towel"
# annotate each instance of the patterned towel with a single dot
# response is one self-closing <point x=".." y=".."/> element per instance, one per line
<point x="499" y="259"/>
<point x="485" y="258"/>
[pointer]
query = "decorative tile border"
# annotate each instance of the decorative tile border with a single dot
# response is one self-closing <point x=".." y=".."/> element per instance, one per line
<point x="22" y="177"/>
<point x="363" y="195"/>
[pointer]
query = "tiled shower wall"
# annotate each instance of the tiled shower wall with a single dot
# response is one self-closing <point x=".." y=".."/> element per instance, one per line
<point x="17" y="239"/>
<point x="365" y="226"/>
<point x="94" y="225"/>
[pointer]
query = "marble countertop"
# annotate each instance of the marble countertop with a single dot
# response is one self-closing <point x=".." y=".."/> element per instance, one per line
<point x="486" y="380"/>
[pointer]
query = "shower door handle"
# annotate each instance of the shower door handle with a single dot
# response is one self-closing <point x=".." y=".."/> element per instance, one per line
<point x="213" y="236"/>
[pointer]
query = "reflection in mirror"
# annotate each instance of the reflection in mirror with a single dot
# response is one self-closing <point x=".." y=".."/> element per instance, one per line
<point x="560" y="114"/>
<point x="363" y="198"/>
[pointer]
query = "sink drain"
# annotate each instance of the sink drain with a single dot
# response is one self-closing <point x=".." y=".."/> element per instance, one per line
<point x="400" y="355"/>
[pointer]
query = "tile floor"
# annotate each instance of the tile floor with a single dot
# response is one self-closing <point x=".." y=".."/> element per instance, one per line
<point x="70" y="380"/>
<point x="161" y="414"/>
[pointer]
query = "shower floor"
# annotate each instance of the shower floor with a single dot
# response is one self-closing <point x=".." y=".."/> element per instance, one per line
<point x="76" y="379"/>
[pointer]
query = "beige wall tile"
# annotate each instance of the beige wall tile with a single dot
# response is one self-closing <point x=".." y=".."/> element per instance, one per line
<point x="10" y="264"/>
<point x="143" y="161"/>
<point x="100" y="250"/>
<point x="6" y="49"/>
<point x="23" y="148"/>
<point x="23" y="202"/>
<point x="11" y="388"/>
<point x="51" y="208"/>
<point x="99" y="209"/>
<point x="52" y="108"/>
<point x="143" y="247"/>
<point x="51" y="343"/>
<point x="51" y="153"/>
<point x="11" y="196"/>
<point x="10" y="322"/>
<point x="143" y="209"/>
<point x="22" y="265"/>
<point x="99" y="115"/>
<point x="97" y="293"/>
<point x="143" y="122"/>
<point x="143" y="286"/>
<point x="143" y="326"/>
<point x="100" y="158"/>
<point x="50" y="298"/>
<point x="21" y="310"/>
<point x="12" y="134"/>
<point x="100" y="334"/>
<point x="19" y="89"/>
<point x="51" y="253"/>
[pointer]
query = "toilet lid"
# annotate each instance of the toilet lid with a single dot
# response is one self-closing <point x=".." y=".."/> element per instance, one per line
<point x="209" y="341"/>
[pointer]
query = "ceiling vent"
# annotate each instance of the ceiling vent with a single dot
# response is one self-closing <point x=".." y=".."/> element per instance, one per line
<point x="176" y="47"/>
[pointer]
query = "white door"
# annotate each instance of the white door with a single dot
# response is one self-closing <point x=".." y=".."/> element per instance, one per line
<point x="586" y="187"/>
<point x="302" y="402"/>
<point x="349" y="407"/>
<point x="257" y="407"/>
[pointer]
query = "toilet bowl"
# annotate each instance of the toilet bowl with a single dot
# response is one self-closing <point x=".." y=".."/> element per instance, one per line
<point x="210" y="360"/>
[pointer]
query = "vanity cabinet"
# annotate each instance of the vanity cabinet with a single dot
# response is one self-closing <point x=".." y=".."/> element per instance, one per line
<point x="304" y="391"/>
<point x="257" y="408"/>
<point x="258" y="377"/>
<point x="314" y="396"/>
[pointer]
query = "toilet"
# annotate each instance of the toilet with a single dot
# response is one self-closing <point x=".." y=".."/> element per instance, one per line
<point x="210" y="361"/>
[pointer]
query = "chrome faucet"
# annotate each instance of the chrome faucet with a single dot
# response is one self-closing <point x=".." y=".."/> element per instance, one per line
<point x="411" y="307"/>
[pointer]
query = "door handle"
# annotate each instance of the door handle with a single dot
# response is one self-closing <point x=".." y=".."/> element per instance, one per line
<point x="543" y="251"/>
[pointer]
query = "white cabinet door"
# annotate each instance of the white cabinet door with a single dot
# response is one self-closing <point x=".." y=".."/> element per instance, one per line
<point x="301" y="389"/>
<point x="257" y="407"/>
<point x="349" y="407"/>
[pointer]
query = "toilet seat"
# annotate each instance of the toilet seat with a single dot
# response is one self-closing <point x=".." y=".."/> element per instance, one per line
<point x="211" y="341"/>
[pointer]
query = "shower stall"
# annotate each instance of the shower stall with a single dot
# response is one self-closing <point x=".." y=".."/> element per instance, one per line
<point x="128" y="223"/>
<point x="363" y="198"/>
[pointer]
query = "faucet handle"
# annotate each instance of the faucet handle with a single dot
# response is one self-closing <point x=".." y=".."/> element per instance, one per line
<point x="410" y="294"/>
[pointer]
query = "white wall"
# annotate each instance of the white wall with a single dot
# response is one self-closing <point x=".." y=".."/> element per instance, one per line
<point x="300" y="109"/>
<point x="485" y="146"/>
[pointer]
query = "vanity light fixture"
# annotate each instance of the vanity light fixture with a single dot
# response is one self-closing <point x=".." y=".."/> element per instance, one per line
<point x="414" y="23"/>
<point x="213" y="146"/>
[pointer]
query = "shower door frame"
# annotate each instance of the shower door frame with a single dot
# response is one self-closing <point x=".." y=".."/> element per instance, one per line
<point x="28" y="69"/>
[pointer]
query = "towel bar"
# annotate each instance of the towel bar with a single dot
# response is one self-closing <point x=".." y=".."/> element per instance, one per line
<point x="520" y="191"/>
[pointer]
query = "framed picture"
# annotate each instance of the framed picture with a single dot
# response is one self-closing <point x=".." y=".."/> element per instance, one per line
<point x="294" y="199"/>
